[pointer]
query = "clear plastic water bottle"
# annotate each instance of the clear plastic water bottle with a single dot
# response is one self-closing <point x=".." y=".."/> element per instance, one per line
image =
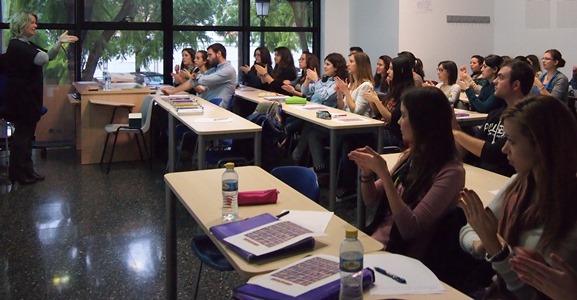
<point x="106" y="76"/>
<point x="351" y="266"/>
<point x="229" y="193"/>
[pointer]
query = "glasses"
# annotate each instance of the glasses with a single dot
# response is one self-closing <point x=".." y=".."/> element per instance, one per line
<point x="324" y="114"/>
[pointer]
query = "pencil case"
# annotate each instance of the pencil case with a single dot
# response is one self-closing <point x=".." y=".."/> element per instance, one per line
<point x="258" y="197"/>
<point x="295" y="100"/>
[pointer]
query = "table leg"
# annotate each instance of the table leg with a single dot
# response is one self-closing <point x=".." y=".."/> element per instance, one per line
<point x="201" y="152"/>
<point x="257" y="148"/>
<point x="171" y="148"/>
<point x="333" y="170"/>
<point x="171" y="267"/>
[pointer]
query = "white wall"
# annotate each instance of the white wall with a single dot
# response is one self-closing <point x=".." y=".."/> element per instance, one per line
<point x="335" y="27"/>
<point x="513" y="37"/>
<point x="423" y="30"/>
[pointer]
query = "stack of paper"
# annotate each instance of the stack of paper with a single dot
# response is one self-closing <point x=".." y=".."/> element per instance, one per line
<point x="184" y="104"/>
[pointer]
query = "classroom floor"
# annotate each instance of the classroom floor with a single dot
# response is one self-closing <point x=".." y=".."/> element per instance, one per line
<point x="82" y="234"/>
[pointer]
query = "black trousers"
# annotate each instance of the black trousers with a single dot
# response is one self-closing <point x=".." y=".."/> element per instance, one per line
<point x="21" y="148"/>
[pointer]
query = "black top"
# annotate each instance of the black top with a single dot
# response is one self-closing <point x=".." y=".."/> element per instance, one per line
<point x="25" y="82"/>
<point x="276" y="86"/>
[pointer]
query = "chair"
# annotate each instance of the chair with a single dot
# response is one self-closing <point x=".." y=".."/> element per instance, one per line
<point x="299" y="178"/>
<point x="116" y="129"/>
<point x="209" y="254"/>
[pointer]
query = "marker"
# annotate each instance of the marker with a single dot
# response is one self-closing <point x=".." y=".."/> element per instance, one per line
<point x="220" y="119"/>
<point x="338" y="115"/>
<point x="283" y="214"/>
<point x="392" y="276"/>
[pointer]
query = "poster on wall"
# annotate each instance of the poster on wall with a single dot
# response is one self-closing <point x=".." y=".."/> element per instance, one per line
<point x="538" y="14"/>
<point x="423" y="6"/>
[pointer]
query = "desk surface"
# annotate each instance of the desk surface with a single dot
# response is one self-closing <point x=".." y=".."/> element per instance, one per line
<point x="238" y="124"/>
<point x="200" y="193"/>
<point x="484" y="183"/>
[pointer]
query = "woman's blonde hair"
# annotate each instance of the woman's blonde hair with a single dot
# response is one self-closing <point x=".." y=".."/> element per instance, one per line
<point x="364" y="70"/>
<point x="19" y="22"/>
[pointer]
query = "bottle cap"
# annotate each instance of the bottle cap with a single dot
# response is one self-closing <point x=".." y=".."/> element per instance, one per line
<point x="229" y="165"/>
<point x="351" y="233"/>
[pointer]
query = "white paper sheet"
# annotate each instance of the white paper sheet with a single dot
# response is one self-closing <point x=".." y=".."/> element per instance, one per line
<point x="420" y="280"/>
<point x="315" y="221"/>
<point x="312" y="107"/>
<point x="269" y="237"/>
<point x="279" y="280"/>
<point x="348" y="120"/>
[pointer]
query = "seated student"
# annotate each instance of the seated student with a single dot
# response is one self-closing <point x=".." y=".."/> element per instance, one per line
<point x="558" y="281"/>
<point x="536" y="209"/>
<point x="513" y="83"/>
<point x="417" y="77"/>
<point x="389" y="109"/>
<point x="218" y="82"/>
<point x="201" y="66"/>
<point x="424" y="184"/>
<point x="486" y="101"/>
<point x="318" y="91"/>
<point x="476" y="63"/>
<point x="307" y="61"/>
<point x="535" y="64"/>
<point x="183" y="71"/>
<point x="249" y="76"/>
<point x="447" y="73"/>
<point x="350" y="98"/>
<point x="552" y="82"/>
<point x="381" y="78"/>
<point x="574" y="78"/>
<point x="284" y="69"/>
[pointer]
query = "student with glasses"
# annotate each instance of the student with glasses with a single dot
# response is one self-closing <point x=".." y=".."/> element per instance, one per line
<point x="447" y="73"/>
<point x="552" y="82"/>
<point x="284" y="69"/>
<point x="307" y="61"/>
<point x="249" y="76"/>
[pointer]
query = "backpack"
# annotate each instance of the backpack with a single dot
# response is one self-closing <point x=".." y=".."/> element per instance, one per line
<point x="268" y="116"/>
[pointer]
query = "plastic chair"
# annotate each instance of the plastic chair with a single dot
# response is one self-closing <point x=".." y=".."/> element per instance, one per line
<point x="299" y="178"/>
<point x="209" y="254"/>
<point x="116" y="129"/>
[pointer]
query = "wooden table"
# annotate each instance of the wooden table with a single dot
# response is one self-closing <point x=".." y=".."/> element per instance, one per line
<point x="94" y="117"/>
<point x="334" y="127"/>
<point x="239" y="127"/>
<point x="200" y="193"/>
<point x="470" y="118"/>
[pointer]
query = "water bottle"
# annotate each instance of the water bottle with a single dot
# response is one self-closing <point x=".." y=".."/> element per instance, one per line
<point x="351" y="267"/>
<point x="229" y="193"/>
<point x="106" y="76"/>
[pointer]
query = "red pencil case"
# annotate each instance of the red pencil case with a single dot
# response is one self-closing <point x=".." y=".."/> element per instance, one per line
<point x="258" y="197"/>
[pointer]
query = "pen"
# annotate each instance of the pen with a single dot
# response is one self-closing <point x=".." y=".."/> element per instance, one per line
<point x="392" y="276"/>
<point x="220" y="119"/>
<point x="283" y="214"/>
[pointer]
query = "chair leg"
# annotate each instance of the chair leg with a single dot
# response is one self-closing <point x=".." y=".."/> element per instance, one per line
<point x="146" y="149"/>
<point x="104" y="150"/>
<point x="198" y="273"/>
<point x="112" y="154"/>
<point x="138" y="145"/>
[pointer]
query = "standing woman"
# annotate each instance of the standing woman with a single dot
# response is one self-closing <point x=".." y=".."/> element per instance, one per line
<point x="249" y="75"/>
<point x="552" y="82"/>
<point x="424" y="184"/>
<point x="25" y="91"/>
<point x="381" y="81"/>
<point x="535" y="211"/>
<point x="486" y="101"/>
<point x="284" y="69"/>
<point x="183" y="72"/>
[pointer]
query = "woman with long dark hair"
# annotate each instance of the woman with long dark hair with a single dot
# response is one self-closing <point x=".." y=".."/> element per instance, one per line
<point x="249" y="75"/>
<point x="307" y="61"/>
<point x="183" y="72"/>
<point x="284" y="69"/>
<point x="381" y="82"/>
<point x="424" y="184"/>
<point x="486" y="101"/>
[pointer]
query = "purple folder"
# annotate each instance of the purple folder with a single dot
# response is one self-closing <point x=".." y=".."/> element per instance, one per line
<point x="225" y="230"/>
<point x="328" y="291"/>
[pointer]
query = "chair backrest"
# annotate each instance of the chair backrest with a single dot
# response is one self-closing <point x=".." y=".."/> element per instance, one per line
<point x="215" y="101"/>
<point x="299" y="178"/>
<point x="146" y="111"/>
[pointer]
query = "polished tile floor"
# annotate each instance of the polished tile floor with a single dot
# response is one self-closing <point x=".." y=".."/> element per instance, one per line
<point x="82" y="234"/>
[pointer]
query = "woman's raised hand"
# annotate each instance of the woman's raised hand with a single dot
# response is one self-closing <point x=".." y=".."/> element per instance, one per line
<point x="65" y="38"/>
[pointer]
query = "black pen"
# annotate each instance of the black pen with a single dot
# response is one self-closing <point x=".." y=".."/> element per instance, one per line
<point x="283" y="214"/>
<point x="392" y="276"/>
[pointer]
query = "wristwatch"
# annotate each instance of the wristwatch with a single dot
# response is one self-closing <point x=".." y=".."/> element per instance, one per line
<point x="499" y="256"/>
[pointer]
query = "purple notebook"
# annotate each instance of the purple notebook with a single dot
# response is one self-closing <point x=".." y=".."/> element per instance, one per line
<point x="223" y="231"/>
<point x="328" y="291"/>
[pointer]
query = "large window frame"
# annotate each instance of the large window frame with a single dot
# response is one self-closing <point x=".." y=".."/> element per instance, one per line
<point x="167" y="27"/>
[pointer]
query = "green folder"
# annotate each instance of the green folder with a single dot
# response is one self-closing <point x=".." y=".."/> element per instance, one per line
<point x="295" y="100"/>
